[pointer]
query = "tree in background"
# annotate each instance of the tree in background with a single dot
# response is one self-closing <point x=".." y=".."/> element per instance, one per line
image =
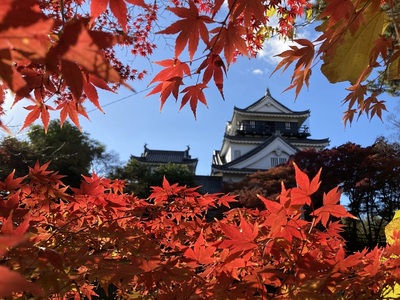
<point x="367" y="176"/>
<point x="268" y="183"/>
<point x="69" y="151"/>
<point x="136" y="177"/>
<point x="15" y="155"/>
<point x="174" y="173"/>
<point x="106" y="163"/>
<point x="139" y="178"/>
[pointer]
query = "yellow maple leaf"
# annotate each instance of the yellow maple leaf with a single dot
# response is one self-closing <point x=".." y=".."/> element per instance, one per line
<point x="394" y="225"/>
<point x="391" y="227"/>
<point x="353" y="53"/>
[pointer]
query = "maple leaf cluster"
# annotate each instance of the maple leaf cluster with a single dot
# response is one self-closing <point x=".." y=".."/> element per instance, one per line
<point x="57" y="54"/>
<point x="220" y="34"/>
<point x="357" y="41"/>
<point x="60" y="245"/>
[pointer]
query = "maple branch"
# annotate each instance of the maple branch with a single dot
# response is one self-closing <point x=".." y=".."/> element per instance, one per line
<point x="62" y="10"/>
<point x="312" y="224"/>
<point x="223" y="23"/>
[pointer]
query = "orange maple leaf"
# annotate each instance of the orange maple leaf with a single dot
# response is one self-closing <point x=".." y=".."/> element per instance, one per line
<point x="240" y="239"/>
<point x="166" y="88"/>
<point x="8" y="226"/>
<point x="36" y="111"/>
<point x="301" y="194"/>
<point x="374" y="106"/>
<point x="194" y="94"/>
<point x="117" y="7"/>
<point x="173" y="68"/>
<point x="200" y="253"/>
<point x="191" y="26"/>
<point x="71" y="109"/>
<point x="304" y="56"/>
<point x="229" y="39"/>
<point x="214" y="67"/>
<point x="170" y="79"/>
<point x="11" y="183"/>
<point x="250" y="9"/>
<point x="331" y="208"/>
<point x="12" y="281"/>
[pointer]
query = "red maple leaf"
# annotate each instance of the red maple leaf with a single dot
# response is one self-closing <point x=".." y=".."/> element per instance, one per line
<point x="11" y="281"/>
<point x="250" y="9"/>
<point x="229" y="39"/>
<point x="39" y="173"/>
<point x="331" y="208"/>
<point x="71" y="109"/>
<point x="100" y="83"/>
<point x="92" y="95"/>
<point x="191" y="26"/>
<point x="240" y="238"/>
<point x="11" y="183"/>
<point x="278" y="217"/>
<point x="88" y="290"/>
<point x="214" y="67"/>
<point x="9" y="241"/>
<point x="200" y="253"/>
<point x="194" y="94"/>
<point x="301" y="194"/>
<point x="73" y="76"/>
<point x="36" y="111"/>
<point x="226" y="199"/>
<point x="117" y="7"/>
<point x="304" y="56"/>
<point x="83" y="47"/>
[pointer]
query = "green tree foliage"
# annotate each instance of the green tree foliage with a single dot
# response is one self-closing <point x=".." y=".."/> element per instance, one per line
<point x="174" y="173"/>
<point x="139" y="178"/>
<point x="70" y="151"/>
<point x="136" y="177"/>
<point x="15" y="155"/>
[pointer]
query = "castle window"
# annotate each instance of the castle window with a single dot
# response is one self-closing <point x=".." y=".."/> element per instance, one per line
<point x="275" y="161"/>
<point x="236" y="154"/>
<point x="287" y="126"/>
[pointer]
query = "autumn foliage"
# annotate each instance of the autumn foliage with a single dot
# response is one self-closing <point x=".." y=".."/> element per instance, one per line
<point x="60" y="246"/>
<point x="57" y="55"/>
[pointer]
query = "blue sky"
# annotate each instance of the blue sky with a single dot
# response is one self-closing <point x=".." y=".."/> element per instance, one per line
<point x="131" y="119"/>
<point x="134" y="121"/>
